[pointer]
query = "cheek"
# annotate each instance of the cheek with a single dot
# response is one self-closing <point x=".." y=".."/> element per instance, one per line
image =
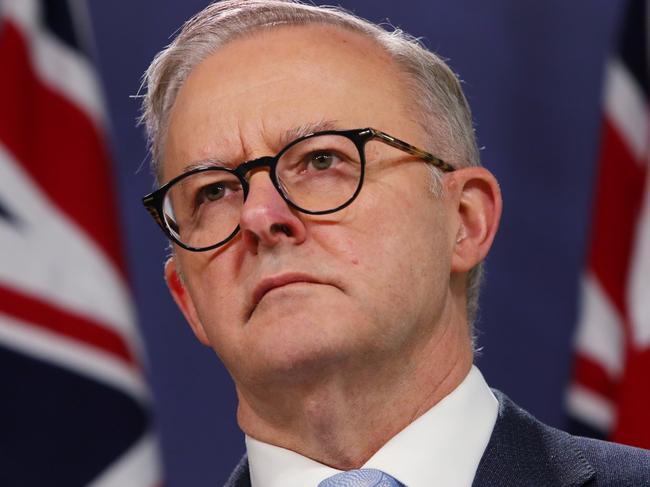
<point x="376" y="240"/>
<point x="348" y="250"/>
<point x="411" y="248"/>
<point x="212" y="288"/>
<point x="338" y="240"/>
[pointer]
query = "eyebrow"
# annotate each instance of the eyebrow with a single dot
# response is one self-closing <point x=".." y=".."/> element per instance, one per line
<point x="286" y="138"/>
<point x="205" y="163"/>
<point x="308" y="128"/>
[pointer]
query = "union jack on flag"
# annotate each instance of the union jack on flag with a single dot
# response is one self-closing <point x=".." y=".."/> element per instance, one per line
<point x="610" y="392"/>
<point x="74" y="407"/>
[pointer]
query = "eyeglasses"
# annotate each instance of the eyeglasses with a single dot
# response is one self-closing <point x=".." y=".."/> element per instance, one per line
<point x="317" y="174"/>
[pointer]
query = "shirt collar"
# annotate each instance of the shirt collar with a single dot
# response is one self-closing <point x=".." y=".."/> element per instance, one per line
<point x="442" y="447"/>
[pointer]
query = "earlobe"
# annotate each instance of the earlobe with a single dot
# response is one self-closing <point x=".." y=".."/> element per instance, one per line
<point x="184" y="300"/>
<point x="479" y="211"/>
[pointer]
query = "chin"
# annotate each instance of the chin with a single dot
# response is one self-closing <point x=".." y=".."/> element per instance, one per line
<point x="300" y="351"/>
<point x="300" y="335"/>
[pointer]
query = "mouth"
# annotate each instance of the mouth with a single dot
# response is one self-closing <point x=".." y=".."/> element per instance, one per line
<point x="274" y="282"/>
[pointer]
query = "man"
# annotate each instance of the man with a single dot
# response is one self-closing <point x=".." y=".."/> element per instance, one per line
<point x="321" y="184"/>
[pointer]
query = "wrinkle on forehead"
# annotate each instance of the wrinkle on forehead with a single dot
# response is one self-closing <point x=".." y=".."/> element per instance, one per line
<point x="272" y="140"/>
<point x="275" y="141"/>
<point x="242" y="102"/>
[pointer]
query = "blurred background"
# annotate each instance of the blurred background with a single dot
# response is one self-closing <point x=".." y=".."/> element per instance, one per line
<point x="533" y="74"/>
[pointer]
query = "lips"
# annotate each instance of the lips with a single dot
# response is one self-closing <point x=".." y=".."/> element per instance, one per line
<point x="274" y="282"/>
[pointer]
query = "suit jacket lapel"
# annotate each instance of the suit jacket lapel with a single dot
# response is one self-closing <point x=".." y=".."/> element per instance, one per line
<point x="523" y="451"/>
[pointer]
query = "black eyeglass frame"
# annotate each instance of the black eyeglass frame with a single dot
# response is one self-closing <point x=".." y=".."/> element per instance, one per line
<point x="154" y="202"/>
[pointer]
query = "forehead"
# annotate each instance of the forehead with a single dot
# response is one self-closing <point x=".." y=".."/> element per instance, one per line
<point x="242" y="99"/>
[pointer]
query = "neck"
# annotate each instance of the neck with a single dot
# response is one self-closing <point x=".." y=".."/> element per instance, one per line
<point x="345" y="416"/>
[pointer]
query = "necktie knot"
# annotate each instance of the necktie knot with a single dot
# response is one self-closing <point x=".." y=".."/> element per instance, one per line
<point x="365" y="477"/>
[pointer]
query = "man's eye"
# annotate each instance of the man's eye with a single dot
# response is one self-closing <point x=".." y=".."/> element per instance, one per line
<point x="322" y="160"/>
<point x="211" y="192"/>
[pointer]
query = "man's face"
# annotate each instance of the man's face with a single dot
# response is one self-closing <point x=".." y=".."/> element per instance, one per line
<point x="293" y="294"/>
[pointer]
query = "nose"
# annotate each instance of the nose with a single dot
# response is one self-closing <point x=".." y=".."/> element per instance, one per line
<point x="266" y="219"/>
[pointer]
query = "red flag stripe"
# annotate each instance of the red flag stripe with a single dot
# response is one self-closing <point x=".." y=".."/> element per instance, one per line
<point x="634" y="400"/>
<point x="618" y="200"/>
<point x="65" y="323"/>
<point x="69" y="162"/>
<point x="592" y="375"/>
<point x="600" y="334"/>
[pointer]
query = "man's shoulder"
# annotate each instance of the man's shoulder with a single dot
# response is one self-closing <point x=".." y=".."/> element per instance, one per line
<point x="525" y="451"/>
<point x="240" y="477"/>
<point x="616" y="464"/>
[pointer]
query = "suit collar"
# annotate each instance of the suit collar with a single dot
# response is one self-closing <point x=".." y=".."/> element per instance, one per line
<point x="524" y="451"/>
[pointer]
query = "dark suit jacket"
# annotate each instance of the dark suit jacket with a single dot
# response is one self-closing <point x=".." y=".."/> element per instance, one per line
<point x="525" y="452"/>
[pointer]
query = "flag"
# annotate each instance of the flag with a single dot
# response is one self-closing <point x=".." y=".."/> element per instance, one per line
<point x="610" y="392"/>
<point x="74" y="405"/>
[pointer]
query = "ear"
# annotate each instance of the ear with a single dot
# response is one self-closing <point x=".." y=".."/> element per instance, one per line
<point x="184" y="300"/>
<point x="479" y="210"/>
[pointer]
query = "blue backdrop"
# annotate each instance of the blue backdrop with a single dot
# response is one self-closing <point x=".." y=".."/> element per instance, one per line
<point x="532" y="72"/>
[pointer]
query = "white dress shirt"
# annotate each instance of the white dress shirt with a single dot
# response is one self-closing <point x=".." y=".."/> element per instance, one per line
<point x="443" y="447"/>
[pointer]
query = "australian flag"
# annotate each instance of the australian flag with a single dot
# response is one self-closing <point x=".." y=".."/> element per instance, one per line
<point x="74" y="406"/>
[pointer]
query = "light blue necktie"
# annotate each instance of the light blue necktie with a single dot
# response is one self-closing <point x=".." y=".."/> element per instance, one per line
<point x="365" y="477"/>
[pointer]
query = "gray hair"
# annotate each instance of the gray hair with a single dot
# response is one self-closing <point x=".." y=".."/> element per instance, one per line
<point x="439" y="104"/>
